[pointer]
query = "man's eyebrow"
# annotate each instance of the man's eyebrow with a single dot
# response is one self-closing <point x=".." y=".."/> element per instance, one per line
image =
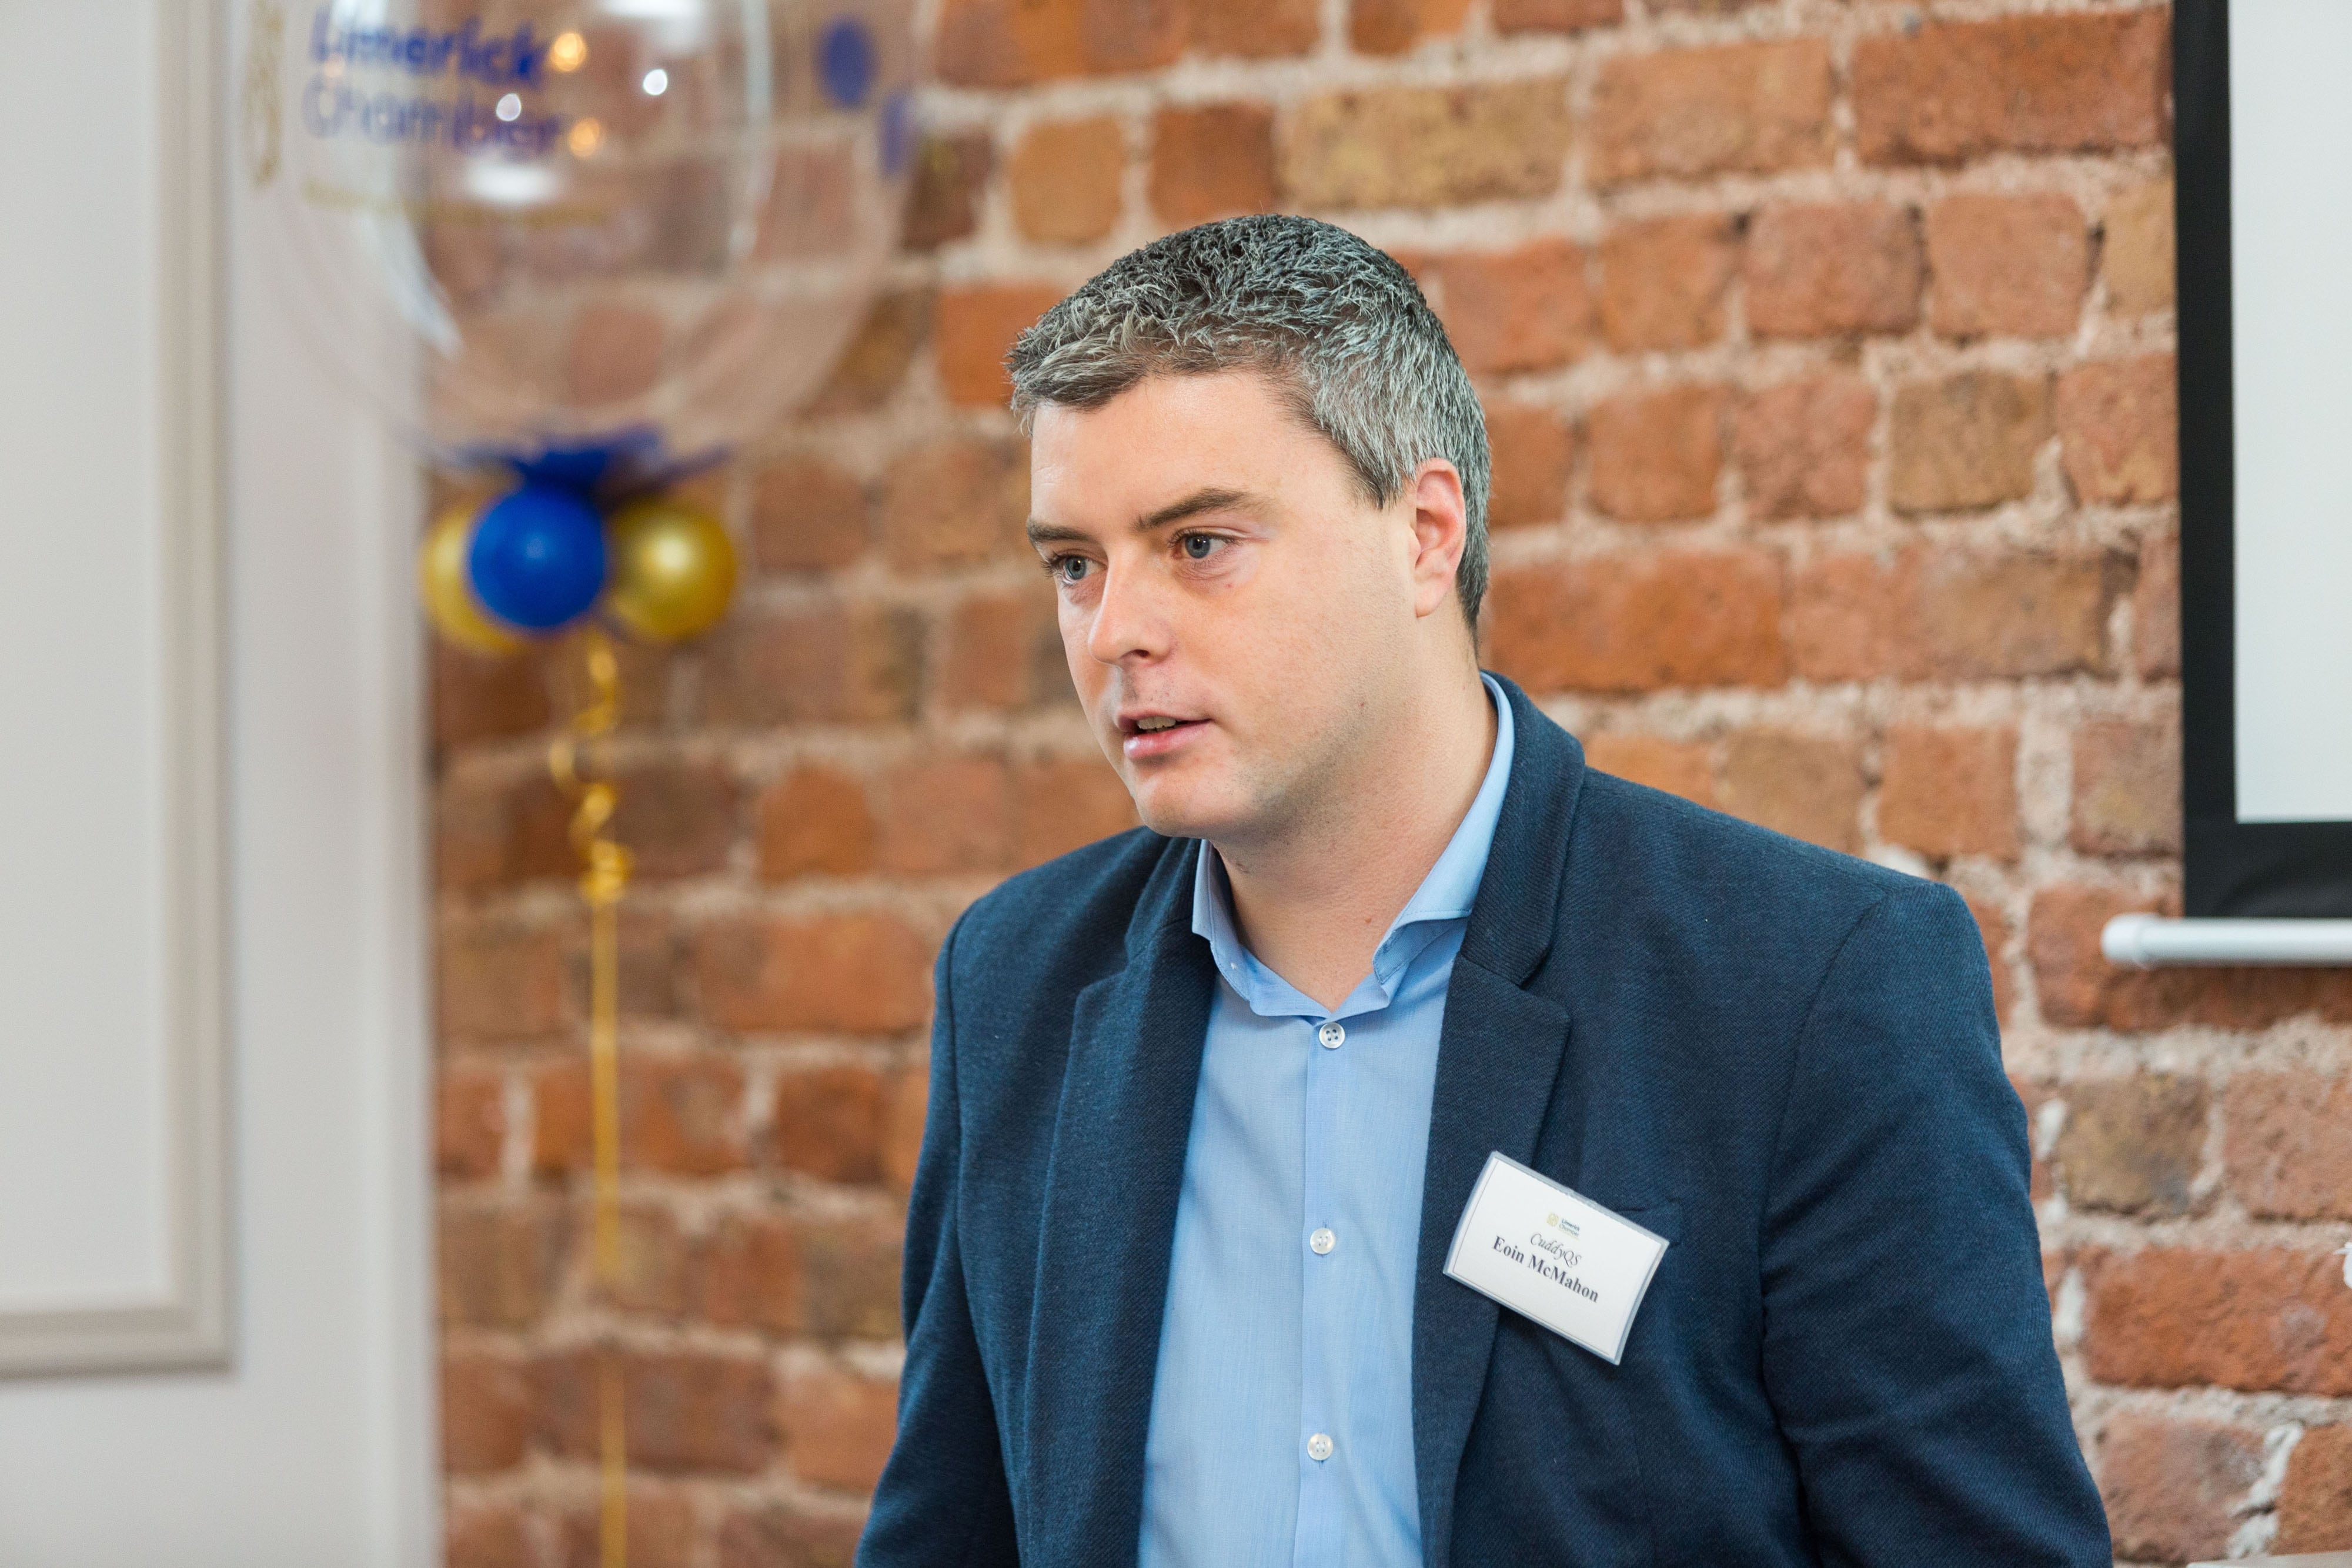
<point x="1199" y="501"/>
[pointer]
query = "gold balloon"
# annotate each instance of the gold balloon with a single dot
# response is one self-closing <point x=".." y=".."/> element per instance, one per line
<point x="672" y="570"/>
<point x="448" y="593"/>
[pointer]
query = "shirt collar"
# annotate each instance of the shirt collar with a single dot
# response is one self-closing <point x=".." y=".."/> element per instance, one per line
<point x="1445" y="894"/>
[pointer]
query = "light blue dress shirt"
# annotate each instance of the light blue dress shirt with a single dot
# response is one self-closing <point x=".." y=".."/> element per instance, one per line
<point x="1281" y="1430"/>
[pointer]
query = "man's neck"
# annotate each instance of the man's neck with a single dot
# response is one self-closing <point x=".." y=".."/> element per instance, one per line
<point x="1314" y="904"/>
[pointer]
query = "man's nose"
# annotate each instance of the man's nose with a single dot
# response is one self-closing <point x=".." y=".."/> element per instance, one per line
<point x="1128" y="621"/>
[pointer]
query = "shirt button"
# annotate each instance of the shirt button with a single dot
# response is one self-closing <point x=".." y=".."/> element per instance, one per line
<point x="1318" y="1448"/>
<point x="1331" y="1034"/>
<point x="1322" y="1240"/>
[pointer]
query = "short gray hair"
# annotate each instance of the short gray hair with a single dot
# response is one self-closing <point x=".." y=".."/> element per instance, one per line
<point x="1338" y="325"/>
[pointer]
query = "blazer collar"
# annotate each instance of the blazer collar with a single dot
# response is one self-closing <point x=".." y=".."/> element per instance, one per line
<point x="1109" y="1225"/>
<point x="1500" y="1053"/>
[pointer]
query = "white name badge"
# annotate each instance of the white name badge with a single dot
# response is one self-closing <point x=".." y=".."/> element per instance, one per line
<point x="1545" y="1253"/>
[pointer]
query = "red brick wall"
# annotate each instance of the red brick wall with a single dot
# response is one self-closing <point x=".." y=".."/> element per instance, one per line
<point x="1828" y="348"/>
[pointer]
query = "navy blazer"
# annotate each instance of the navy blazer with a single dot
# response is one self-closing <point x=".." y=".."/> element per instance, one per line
<point x="1783" y="1060"/>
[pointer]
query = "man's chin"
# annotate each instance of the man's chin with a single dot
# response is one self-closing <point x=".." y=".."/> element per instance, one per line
<point x="1182" y="809"/>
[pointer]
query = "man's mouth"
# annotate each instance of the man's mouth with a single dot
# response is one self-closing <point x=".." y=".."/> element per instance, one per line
<point x="1155" y="734"/>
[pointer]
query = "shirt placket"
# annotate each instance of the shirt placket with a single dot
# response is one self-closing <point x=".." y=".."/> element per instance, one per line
<point x="1323" y="1443"/>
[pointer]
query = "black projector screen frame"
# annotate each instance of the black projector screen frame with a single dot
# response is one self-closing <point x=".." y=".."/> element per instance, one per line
<point x="2266" y="869"/>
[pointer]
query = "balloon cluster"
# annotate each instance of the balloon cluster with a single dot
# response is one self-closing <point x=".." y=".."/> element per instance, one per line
<point x="559" y="550"/>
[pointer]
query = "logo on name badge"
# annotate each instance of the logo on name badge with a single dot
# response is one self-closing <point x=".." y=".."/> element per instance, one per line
<point x="1551" y="1254"/>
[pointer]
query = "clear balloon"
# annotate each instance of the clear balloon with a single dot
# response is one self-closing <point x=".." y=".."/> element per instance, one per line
<point x="524" y="222"/>
<point x="672" y="573"/>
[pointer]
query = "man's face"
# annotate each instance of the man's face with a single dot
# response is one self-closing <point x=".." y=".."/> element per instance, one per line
<point x="1239" y="618"/>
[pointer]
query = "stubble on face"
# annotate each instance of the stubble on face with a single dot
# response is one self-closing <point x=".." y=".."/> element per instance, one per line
<point x="1229" y="603"/>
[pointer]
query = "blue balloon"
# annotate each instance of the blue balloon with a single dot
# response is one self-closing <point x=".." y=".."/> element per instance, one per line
<point x="538" y="558"/>
<point x="845" y="62"/>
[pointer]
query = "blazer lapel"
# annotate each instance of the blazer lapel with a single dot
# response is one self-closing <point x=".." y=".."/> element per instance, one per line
<point x="1111" y="1188"/>
<point x="1499" y="1054"/>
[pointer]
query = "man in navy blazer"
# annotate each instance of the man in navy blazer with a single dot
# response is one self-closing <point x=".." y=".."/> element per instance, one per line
<point x="1208" y="1099"/>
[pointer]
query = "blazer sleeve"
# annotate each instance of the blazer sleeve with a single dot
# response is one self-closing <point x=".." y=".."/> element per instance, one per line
<point x="1907" y="1347"/>
<point x="942" y="1502"/>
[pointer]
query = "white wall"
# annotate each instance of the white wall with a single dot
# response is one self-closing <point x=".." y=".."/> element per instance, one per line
<point x="314" y="1448"/>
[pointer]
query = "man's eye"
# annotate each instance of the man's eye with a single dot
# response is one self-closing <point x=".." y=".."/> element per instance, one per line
<point x="1201" y="547"/>
<point x="1070" y="568"/>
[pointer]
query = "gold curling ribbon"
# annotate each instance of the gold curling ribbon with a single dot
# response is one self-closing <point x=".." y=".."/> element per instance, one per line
<point x="604" y="877"/>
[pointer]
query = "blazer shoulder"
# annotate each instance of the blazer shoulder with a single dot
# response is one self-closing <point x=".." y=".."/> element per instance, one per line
<point x="1071" y="908"/>
<point x="1655" y="852"/>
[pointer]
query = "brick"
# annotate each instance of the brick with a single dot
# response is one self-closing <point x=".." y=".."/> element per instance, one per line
<point x="2135" y="256"/>
<point x="1803" y="447"/>
<point x="1683" y="113"/>
<point x="1533" y="451"/>
<point x="2287" y="1144"/>
<point x="1064" y="179"/>
<point x="676" y="817"/>
<point x="750" y="1274"/>
<point x="1556" y="15"/>
<point x="1847" y="617"/>
<point x="615" y="354"/>
<point x="472" y="822"/>
<point x="682" y="1114"/>
<point x="945" y="812"/>
<point x="1807" y="787"/>
<point x="1425" y="147"/>
<point x="2315" y="1505"/>
<point x="1663" y="282"/>
<point x="1013" y="43"/>
<point x="814" y="821"/>
<point x="810" y="211"/>
<point x="1657" y="456"/>
<point x="2084" y="82"/>
<point x="2015" y="615"/>
<point x="1212" y="161"/>
<point x="974" y="326"/>
<point x="495" y="982"/>
<point x="1992" y="927"/>
<point x="870" y="369"/>
<point x="475" y="697"/>
<point x="1638" y="622"/>
<point x="2079" y="986"/>
<point x="772" y="1535"/>
<point x="850" y="1281"/>
<point x="654" y="1260"/>
<point x="807" y="515"/>
<point x="1947" y="792"/>
<point x="2172" y="1486"/>
<point x="1524" y="310"/>
<point x="2266" y="1318"/>
<point x="1678" y="766"/>
<point x="1061" y="803"/>
<point x="2156" y="607"/>
<point x="853" y="973"/>
<point x="1967" y="442"/>
<point x="486" y="1536"/>
<point x="2007" y="266"/>
<point x="496" y="1267"/>
<point x="1003" y="653"/>
<point x="823" y="664"/>
<point x="1255" y="30"/>
<point x="838" y="1426"/>
<point x="944" y="186"/>
<point x="903" y="1113"/>
<point x="485" y="1413"/>
<point x="660" y="1532"/>
<point x="469" y="1123"/>
<point x="1823" y="270"/>
<point x="1393" y="27"/>
<point x="2132" y="1146"/>
<point x="956" y="502"/>
<point x="2127" y="787"/>
<point x="2118" y="429"/>
<point x="828" y="1122"/>
<point x="684" y="1409"/>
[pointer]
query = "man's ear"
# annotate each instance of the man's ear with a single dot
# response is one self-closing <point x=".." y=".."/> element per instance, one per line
<point x="1441" y="530"/>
